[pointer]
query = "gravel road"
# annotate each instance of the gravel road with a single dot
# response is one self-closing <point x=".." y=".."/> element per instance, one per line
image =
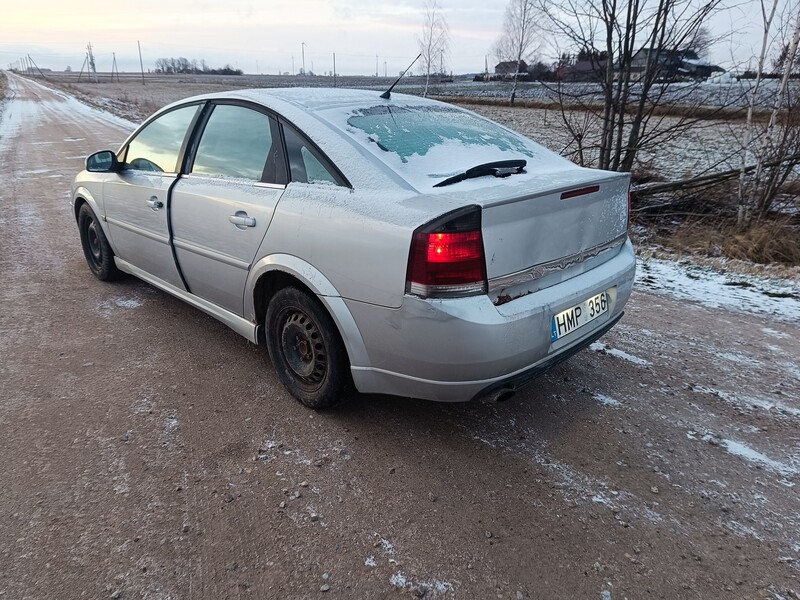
<point x="146" y="451"/>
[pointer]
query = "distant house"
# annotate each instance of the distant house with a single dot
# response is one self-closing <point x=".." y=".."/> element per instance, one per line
<point x="582" y="70"/>
<point x="673" y="64"/>
<point x="509" y="67"/>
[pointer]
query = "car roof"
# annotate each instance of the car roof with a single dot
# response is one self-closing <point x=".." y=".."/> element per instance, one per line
<point x="321" y="113"/>
<point x="290" y="101"/>
<point x="303" y="108"/>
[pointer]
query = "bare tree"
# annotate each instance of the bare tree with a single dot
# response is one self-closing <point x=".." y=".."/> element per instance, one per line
<point x="636" y="50"/>
<point x="777" y="145"/>
<point x="434" y="43"/>
<point x="518" y="41"/>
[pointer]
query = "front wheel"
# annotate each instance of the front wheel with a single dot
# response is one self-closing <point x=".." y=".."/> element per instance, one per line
<point x="306" y="349"/>
<point x="96" y="249"/>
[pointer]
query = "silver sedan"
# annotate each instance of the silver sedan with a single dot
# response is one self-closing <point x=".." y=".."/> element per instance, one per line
<point x="395" y="245"/>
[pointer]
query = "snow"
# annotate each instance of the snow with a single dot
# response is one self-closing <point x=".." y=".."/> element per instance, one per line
<point x="749" y="401"/>
<point x="107" y="307"/>
<point x="749" y="454"/>
<point x="433" y="587"/>
<point x="777" y="298"/>
<point x="605" y="349"/>
<point x="607" y="400"/>
<point x="423" y="163"/>
<point x="370" y="562"/>
<point x="399" y="579"/>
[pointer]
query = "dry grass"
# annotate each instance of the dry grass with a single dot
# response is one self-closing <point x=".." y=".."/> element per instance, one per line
<point x="3" y="85"/>
<point x="773" y="241"/>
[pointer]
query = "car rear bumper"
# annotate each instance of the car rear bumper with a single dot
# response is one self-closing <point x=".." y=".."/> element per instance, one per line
<point x="460" y="349"/>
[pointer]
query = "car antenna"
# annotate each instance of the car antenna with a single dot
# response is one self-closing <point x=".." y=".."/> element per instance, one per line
<point x="388" y="93"/>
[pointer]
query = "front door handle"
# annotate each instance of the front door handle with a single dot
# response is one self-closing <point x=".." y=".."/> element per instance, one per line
<point x="241" y="220"/>
<point x="155" y="203"/>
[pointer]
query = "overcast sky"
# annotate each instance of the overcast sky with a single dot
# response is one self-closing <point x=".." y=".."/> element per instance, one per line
<point x="268" y="36"/>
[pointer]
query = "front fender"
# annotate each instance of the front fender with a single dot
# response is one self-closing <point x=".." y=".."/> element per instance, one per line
<point x="82" y="192"/>
<point x="312" y="278"/>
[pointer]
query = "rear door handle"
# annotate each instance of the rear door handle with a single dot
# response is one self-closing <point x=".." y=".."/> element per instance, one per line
<point x="241" y="220"/>
<point x="155" y="203"/>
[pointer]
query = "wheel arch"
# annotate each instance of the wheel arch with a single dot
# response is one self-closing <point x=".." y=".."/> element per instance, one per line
<point x="83" y="196"/>
<point x="277" y="271"/>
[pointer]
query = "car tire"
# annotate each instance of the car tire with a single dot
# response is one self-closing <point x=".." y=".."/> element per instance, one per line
<point x="306" y="349"/>
<point x="96" y="249"/>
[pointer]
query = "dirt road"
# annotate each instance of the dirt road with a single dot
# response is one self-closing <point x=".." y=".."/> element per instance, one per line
<point x="146" y="451"/>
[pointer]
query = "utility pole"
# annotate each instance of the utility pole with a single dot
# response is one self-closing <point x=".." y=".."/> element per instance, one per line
<point x="141" y="64"/>
<point x="86" y="65"/>
<point x="376" y="65"/>
<point x="384" y="68"/>
<point x="303" y="50"/>
<point x="334" y="69"/>
<point x="37" y="67"/>
<point x="92" y="66"/>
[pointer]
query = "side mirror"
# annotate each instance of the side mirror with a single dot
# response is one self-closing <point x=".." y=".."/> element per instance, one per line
<point x="102" y="162"/>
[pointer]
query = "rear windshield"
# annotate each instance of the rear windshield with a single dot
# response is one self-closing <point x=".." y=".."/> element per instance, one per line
<point x="410" y="131"/>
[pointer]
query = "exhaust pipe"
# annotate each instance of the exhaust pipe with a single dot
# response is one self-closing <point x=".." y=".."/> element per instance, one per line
<point x="502" y="394"/>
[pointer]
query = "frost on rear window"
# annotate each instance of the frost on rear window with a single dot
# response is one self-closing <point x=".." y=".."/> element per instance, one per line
<point x="415" y="130"/>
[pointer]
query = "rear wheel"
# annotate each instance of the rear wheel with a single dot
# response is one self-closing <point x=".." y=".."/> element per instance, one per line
<point x="306" y="349"/>
<point x="96" y="249"/>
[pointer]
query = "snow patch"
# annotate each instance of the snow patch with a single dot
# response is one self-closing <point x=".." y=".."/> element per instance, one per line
<point x="770" y="406"/>
<point x="271" y="449"/>
<point x="370" y="562"/>
<point x="750" y="455"/>
<point x="605" y="349"/>
<point x="430" y="588"/>
<point x="778" y="335"/>
<point x="607" y="400"/>
<point x="107" y="307"/>
<point x="779" y="298"/>
<point x="399" y="579"/>
<point x="737" y="357"/>
<point x="387" y="546"/>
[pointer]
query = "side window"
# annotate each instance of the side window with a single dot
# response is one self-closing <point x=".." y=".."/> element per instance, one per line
<point x="237" y="142"/>
<point x="157" y="146"/>
<point x="306" y="164"/>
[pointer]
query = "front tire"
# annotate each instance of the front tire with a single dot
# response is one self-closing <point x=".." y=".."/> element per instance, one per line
<point x="96" y="249"/>
<point x="306" y="349"/>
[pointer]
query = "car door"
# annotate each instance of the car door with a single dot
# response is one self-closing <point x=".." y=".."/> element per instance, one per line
<point x="221" y="209"/>
<point x="136" y="199"/>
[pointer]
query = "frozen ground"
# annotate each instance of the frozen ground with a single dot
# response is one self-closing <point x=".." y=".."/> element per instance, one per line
<point x="149" y="452"/>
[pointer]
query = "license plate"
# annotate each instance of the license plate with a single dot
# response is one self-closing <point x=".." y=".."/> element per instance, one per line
<point x="576" y="317"/>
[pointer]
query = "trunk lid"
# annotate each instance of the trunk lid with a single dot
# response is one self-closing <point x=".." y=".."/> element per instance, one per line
<point x="553" y="229"/>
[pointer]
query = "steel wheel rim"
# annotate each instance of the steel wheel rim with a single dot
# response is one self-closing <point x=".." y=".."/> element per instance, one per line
<point x="93" y="243"/>
<point x="303" y="348"/>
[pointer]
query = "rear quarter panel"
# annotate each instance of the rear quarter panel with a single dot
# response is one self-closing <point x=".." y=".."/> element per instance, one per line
<point x="359" y="241"/>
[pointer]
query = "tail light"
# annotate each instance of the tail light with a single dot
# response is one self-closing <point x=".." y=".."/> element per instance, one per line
<point x="446" y="259"/>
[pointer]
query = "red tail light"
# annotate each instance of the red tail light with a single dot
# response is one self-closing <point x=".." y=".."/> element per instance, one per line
<point x="446" y="259"/>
